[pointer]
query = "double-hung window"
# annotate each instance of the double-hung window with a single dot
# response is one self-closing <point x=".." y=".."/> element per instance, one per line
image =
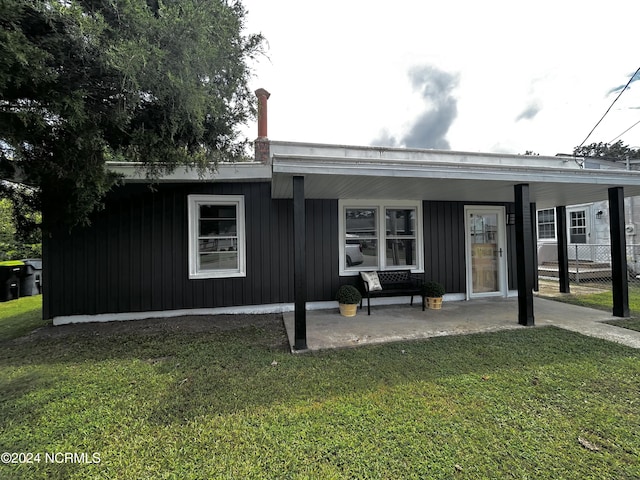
<point x="380" y="235"/>
<point x="546" y="224"/>
<point x="217" y="244"/>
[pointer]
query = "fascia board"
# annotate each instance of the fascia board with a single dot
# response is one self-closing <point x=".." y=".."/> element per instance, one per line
<point x="362" y="167"/>
<point x="250" y="171"/>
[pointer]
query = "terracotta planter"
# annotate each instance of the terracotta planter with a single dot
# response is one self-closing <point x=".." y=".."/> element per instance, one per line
<point x="433" y="303"/>
<point x="348" y="310"/>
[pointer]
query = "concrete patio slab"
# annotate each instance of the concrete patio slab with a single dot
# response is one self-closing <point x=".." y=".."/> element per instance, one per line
<point x="326" y="329"/>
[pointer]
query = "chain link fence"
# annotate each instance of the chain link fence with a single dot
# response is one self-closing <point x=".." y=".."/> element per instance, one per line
<point x="589" y="264"/>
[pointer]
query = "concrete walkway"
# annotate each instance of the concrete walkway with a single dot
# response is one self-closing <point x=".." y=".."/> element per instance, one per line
<point x="326" y="329"/>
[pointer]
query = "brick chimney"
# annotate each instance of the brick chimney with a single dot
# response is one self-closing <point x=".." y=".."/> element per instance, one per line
<point x="261" y="144"/>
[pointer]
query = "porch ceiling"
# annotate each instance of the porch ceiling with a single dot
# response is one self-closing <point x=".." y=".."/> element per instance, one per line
<point x="550" y="185"/>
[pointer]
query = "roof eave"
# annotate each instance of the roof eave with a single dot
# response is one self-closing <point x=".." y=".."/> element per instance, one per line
<point x="223" y="172"/>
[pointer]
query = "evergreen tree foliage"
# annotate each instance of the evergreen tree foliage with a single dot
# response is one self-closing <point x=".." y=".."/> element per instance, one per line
<point x="83" y="82"/>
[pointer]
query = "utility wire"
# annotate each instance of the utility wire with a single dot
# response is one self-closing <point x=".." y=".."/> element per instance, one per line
<point x="610" y="106"/>
<point x="611" y="141"/>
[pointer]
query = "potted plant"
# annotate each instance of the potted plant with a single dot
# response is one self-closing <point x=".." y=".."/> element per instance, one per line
<point x="348" y="297"/>
<point x="433" y="292"/>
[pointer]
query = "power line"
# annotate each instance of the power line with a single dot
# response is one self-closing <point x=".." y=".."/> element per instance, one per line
<point x="611" y="141"/>
<point x="605" y="113"/>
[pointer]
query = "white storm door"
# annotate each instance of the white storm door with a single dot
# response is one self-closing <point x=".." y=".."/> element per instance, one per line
<point x="486" y="252"/>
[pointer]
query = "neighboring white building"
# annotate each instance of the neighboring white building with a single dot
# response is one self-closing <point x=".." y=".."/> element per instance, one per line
<point x="588" y="231"/>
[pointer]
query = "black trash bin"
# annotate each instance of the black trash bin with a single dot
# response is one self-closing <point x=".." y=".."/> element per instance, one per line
<point x="10" y="274"/>
<point x="31" y="281"/>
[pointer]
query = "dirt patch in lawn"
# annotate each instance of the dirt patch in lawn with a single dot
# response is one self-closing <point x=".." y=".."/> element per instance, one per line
<point x="271" y="324"/>
<point x="550" y="288"/>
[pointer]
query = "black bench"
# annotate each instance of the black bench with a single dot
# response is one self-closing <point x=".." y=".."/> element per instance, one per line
<point x="395" y="283"/>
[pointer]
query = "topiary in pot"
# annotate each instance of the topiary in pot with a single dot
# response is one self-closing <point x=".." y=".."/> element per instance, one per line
<point x="348" y="297"/>
<point x="433" y="291"/>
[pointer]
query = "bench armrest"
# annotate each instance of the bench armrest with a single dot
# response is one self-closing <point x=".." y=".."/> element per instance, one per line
<point x="417" y="279"/>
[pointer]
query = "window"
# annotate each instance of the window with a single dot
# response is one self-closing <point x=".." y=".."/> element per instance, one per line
<point x="216" y="236"/>
<point x="546" y="224"/>
<point x="401" y="236"/>
<point x="377" y="235"/>
<point x="361" y="239"/>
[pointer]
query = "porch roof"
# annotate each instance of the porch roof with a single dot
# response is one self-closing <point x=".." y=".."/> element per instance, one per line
<point x="336" y="171"/>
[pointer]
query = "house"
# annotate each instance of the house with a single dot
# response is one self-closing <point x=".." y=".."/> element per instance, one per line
<point x="278" y="233"/>
<point x="588" y="234"/>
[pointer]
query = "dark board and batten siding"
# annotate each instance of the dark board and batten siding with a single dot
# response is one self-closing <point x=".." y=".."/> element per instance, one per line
<point x="444" y="247"/>
<point x="323" y="278"/>
<point x="134" y="256"/>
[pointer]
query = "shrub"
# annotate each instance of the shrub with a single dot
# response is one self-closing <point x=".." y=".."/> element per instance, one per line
<point x="433" y="289"/>
<point x="348" y="295"/>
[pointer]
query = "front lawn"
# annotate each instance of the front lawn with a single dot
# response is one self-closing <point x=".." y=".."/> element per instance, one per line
<point x="18" y="317"/>
<point x="604" y="301"/>
<point x="162" y="402"/>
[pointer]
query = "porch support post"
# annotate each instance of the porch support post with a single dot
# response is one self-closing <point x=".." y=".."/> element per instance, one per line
<point x="534" y="240"/>
<point x="619" y="281"/>
<point x="524" y="255"/>
<point x="299" y="265"/>
<point x="563" y="255"/>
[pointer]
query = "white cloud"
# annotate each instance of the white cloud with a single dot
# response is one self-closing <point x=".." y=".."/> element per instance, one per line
<point x="339" y="70"/>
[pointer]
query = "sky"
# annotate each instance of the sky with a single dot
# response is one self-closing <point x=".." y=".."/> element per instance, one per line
<point x="491" y="76"/>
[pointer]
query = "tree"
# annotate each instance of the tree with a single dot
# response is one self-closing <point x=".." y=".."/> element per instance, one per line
<point x="82" y="82"/>
<point x="16" y="244"/>
<point x="615" y="152"/>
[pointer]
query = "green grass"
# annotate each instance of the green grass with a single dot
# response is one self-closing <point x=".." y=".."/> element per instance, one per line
<point x="604" y="301"/>
<point x="18" y="317"/>
<point x="235" y="404"/>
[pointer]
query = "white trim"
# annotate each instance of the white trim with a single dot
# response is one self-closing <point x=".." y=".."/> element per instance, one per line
<point x="358" y="153"/>
<point x="587" y="208"/>
<point x="380" y="205"/>
<point x="503" y="271"/>
<point x="192" y="213"/>
<point x="452" y="169"/>
<point x="555" y="226"/>
<point x="454" y="297"/>
<point x="134" y="172"/>
<point x="238" y="310"/>
<point x="126" y="316"/>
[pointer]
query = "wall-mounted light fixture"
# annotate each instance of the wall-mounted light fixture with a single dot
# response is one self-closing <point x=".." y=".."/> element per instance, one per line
<point x="599" y="214"/>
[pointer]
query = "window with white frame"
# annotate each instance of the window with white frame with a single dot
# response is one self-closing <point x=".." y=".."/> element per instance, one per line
<point x="546" y="224"/>
<point x="217" y="244"/>
<point x="380" y="235"/>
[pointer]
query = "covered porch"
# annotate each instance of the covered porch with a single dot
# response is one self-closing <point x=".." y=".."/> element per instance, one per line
<point x="327" y="329"/>
<point x="312" y="171"/>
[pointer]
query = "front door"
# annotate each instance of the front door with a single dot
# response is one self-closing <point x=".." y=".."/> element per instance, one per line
<point x="486" y="251"/>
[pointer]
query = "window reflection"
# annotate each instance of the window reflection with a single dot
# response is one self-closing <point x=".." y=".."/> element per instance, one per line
<point x="361" y="242"/>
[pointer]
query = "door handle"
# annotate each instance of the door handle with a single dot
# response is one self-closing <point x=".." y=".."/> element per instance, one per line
<point x="500" y="252"/>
